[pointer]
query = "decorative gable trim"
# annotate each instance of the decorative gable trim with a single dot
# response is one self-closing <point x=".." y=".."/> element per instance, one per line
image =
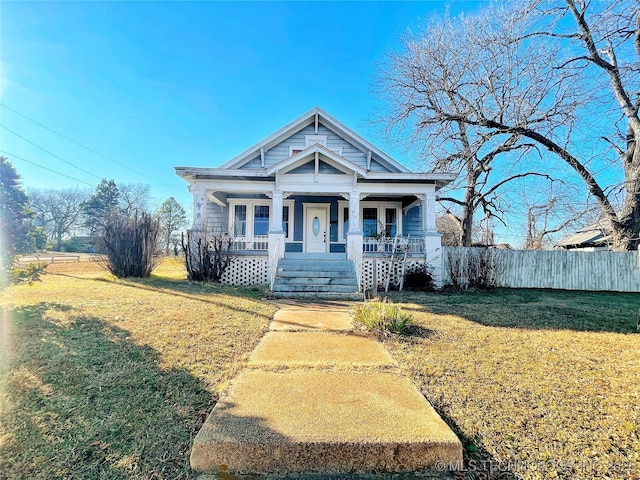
<point x="302" y="157"/>
<point x="314" y="117"/>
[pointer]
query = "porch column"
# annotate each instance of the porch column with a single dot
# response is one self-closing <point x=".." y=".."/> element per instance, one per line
<point x="275" y="235"/>
<point x="432" y="239"/>
<point x="199" y="207"/>
<point x="429" y="212"/>
<point x="354" y="213"/>
<point x="354" y="235"/>
<point x="275" y="225"/>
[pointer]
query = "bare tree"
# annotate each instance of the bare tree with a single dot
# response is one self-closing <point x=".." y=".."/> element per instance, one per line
<point x="59" y="212"/>
<point x="133" y="198"/>
<point x="434" y="74"/>
<point x="516" y="71"/>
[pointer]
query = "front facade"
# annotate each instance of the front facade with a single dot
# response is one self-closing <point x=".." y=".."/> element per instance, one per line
<point x="316" y="188"/>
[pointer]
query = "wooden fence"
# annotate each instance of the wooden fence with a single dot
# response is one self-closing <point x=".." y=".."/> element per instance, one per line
<point x="560" y="269"/>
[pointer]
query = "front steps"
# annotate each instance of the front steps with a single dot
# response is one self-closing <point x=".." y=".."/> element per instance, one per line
<point x="325" y="276"/>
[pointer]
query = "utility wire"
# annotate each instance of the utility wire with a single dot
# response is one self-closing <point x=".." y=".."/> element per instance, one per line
<point x="84" y="146"/>
<point x="45" y="168"/>
<point x="47" y="151"/>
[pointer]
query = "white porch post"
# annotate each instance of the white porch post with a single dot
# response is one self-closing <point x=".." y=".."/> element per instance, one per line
<point x="354" y="235"/>
<point x="199" y="207"/>
<point x="276" y="235"/>
<point x="429" y="212"/>
<point x="432" y="239"/>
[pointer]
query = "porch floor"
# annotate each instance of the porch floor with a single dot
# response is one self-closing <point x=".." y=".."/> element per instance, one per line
<point x="322" y="401"/>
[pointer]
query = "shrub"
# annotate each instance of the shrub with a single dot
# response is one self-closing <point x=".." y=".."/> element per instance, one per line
<point x="419" y="277"/>
<point x="380" y="316"/>
<point x="207" y="254"/>
<point x="130" y="245"/>
<point x="71" y="245"/>
<point x="30" y="273"/>
<point x="475" y="268"/>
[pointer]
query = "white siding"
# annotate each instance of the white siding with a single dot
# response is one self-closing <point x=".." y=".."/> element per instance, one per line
<point x="566" y="270"/>
<point x="217" y="217"/>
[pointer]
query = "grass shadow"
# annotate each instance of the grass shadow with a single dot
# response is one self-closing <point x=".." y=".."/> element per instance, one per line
<point x="80" y="400"/>
<point x="183" y="288"/>
<point x="535" y="309"/>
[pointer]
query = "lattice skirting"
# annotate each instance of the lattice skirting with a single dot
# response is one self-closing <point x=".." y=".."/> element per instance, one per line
<point x="382" y="268"/>
<point x="246" y="271"/>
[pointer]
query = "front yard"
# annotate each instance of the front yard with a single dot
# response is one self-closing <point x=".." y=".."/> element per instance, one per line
<point x="538" y="384"/>
<point x="107" y="378"/>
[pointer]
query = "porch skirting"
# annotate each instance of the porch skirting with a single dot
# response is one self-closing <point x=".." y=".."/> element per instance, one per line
<point x="247" y="270"/>
<point x="382" y="265"/>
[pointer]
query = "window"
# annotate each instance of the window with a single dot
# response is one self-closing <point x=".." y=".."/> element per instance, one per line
<point x="390" y="222"/>
<point x="249" y="218"/>
<point x="285" y="220"/>
<point x="260" y="219"/>
<point x="345" y="221"/>
<point x="240" y="220"/>
<point x="311" y="139"/>
<point x="375" y="218"/>
<point x="370" y="222"/>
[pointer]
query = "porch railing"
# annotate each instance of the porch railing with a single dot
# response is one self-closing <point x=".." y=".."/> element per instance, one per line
<point x="385" y="245"/>
<point x="258" y="242"/>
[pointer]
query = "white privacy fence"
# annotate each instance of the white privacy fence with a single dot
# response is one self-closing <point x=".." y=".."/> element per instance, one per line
<point x="560" y="269"/>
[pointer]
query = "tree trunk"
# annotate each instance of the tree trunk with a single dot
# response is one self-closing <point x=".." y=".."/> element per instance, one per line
<point x="466" y="219"/>
<point x="626" y="235"/>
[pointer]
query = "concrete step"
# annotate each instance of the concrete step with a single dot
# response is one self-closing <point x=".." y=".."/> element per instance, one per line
<point x="279" y="287"/>
<point x="314" y="256"/>
<point x="314" y="265"/>
<point x="314" y="421"/>
<point x="315" y="280"/>
<point x="313" y="274"/>
<point x="320" y="295"/>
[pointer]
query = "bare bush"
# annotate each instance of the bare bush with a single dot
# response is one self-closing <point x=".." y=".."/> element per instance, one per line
<point x="130" y="244"/>
<point x="475" y="268"/>
<point x="207" y="254"/>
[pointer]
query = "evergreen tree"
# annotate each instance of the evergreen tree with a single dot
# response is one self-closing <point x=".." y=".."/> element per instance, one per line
<point x="101" y="206"/>
<point x="14" y="216"/>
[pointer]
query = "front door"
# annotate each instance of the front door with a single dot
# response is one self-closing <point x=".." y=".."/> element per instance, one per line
<point x="315" y="230"/>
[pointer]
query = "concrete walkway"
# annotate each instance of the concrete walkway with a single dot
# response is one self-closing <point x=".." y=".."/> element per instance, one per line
<point x="318" y="398"/>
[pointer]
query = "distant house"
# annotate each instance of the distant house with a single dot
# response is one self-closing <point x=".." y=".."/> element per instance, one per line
<point x="589" y="239"/>
<point x="315" y="191"/>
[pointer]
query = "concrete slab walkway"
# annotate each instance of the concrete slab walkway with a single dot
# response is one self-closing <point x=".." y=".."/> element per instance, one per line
<point x="318" y="398"/>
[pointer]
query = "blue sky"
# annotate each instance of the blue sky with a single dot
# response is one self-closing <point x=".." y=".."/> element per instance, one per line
<point x="146" y="86"/>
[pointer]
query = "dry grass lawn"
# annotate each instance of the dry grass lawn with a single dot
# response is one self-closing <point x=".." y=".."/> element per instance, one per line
<point x="108" y="378"/>
<point x="537" y="384"/>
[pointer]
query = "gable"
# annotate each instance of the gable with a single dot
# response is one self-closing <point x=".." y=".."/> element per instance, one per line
<point x="298" y="141"/>
<point x="309" y="167"/>
<point x="308" y="129"/>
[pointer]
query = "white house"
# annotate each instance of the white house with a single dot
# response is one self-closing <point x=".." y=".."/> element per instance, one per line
<point x="316" y="191"/>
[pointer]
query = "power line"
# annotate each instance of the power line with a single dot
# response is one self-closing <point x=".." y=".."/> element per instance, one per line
<point x="52" y="154"/>
<point x="45" y="168"/>
<point x="84" y="146"/>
